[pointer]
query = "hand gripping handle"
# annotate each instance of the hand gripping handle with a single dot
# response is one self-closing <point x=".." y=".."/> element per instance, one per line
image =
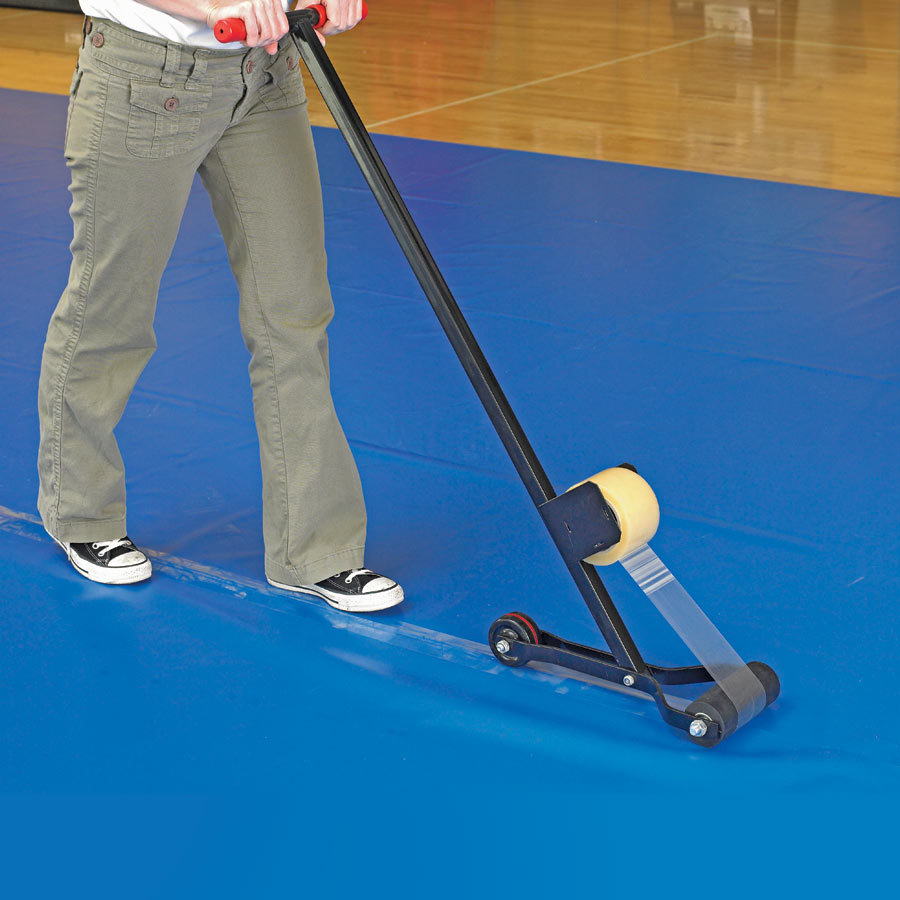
<point x="228" y="30"/>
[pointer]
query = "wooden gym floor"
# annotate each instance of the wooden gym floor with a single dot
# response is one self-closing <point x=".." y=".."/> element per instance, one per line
<point x="800" y="91"/>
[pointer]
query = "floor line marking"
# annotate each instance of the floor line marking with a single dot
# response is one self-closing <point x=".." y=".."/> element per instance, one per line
<point x="16" y="15"/>
<point x="405" y="635"/>
<point x="802" y="43"/>
<point x="29" y="525"/>
<point x="527" y="84"/>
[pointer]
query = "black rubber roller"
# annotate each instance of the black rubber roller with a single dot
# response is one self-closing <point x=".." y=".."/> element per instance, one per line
<point x="717" y="707"/>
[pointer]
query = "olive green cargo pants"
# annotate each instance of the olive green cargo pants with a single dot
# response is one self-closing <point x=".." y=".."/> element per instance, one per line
<point x="144" y="116"/>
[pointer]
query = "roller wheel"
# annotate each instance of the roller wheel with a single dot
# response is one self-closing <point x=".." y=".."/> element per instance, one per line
<point x="715" y="706"/>
<point x="709" y="715"/>
<point x="514" y="626"/>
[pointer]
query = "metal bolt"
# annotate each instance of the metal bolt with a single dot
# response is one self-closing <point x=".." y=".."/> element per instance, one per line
<point x="698" y="728"/>
<point x="628" y="680"/>
<point x="502" y="646"/>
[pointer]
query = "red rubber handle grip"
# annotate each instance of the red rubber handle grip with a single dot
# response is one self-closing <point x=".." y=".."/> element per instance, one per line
<point x="227" y="30"/>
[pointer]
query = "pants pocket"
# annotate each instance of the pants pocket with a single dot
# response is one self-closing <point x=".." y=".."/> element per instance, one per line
<point x="164" y="121"/>
<point x="73" y="93"/>
<point x="284" y="84"/>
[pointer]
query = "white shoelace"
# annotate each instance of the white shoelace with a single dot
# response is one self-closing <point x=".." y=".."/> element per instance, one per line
<point x="354" y="572"/>
<point x="105" y="547"/>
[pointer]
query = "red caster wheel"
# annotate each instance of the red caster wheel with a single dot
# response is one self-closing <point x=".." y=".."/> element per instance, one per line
<point x="514" y="626"/>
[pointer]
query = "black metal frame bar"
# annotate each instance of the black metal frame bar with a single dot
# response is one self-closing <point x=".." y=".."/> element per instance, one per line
<point x="579" y="521"/>
<point x="598" y="663"/>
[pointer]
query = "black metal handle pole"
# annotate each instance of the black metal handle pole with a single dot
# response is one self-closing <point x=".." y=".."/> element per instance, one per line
<point x="457" y="329"/>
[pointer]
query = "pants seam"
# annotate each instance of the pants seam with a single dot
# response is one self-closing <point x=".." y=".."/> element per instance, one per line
<point x="314" y="562"/>
<point x="83" y="288"/>
<point x="93" y="521"/>
<point x="69" y="523"/>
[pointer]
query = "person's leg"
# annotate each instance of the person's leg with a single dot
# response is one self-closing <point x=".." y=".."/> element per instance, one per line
<point x="263" y="180"/>
<point x="131" y="165"/>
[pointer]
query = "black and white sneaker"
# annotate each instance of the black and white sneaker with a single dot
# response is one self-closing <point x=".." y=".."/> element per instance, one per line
<point x="109" y="562"/>
<point x="357" y="590"/>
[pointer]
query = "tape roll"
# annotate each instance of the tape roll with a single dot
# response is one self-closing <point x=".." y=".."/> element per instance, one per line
<point x="636" y="509"/>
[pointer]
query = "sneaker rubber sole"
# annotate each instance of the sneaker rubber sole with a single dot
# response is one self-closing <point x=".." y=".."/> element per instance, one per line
<point x="352" y="602"/>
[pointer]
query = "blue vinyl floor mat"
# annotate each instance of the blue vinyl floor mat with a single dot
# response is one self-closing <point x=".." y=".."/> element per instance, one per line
<point x="736" y="340"/>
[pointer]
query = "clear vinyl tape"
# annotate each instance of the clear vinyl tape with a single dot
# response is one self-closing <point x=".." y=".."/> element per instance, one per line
<point x="691" y="624"/>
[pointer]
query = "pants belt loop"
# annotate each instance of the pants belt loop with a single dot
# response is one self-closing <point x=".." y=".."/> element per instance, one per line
<point x="173" y="60"/>
<point x="198" y="70"/>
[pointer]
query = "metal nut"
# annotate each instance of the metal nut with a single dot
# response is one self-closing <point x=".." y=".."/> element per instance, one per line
<point x="502" y="646"/>
<point x="628" y="680"/>
<point x="698" y="728"/>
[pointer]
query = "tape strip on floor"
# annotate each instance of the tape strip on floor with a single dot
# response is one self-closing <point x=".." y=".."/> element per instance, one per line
<point x="702" y="638"/>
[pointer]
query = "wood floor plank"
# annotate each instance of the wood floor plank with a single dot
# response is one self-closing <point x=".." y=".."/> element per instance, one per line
<point x="789" y="90"/>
